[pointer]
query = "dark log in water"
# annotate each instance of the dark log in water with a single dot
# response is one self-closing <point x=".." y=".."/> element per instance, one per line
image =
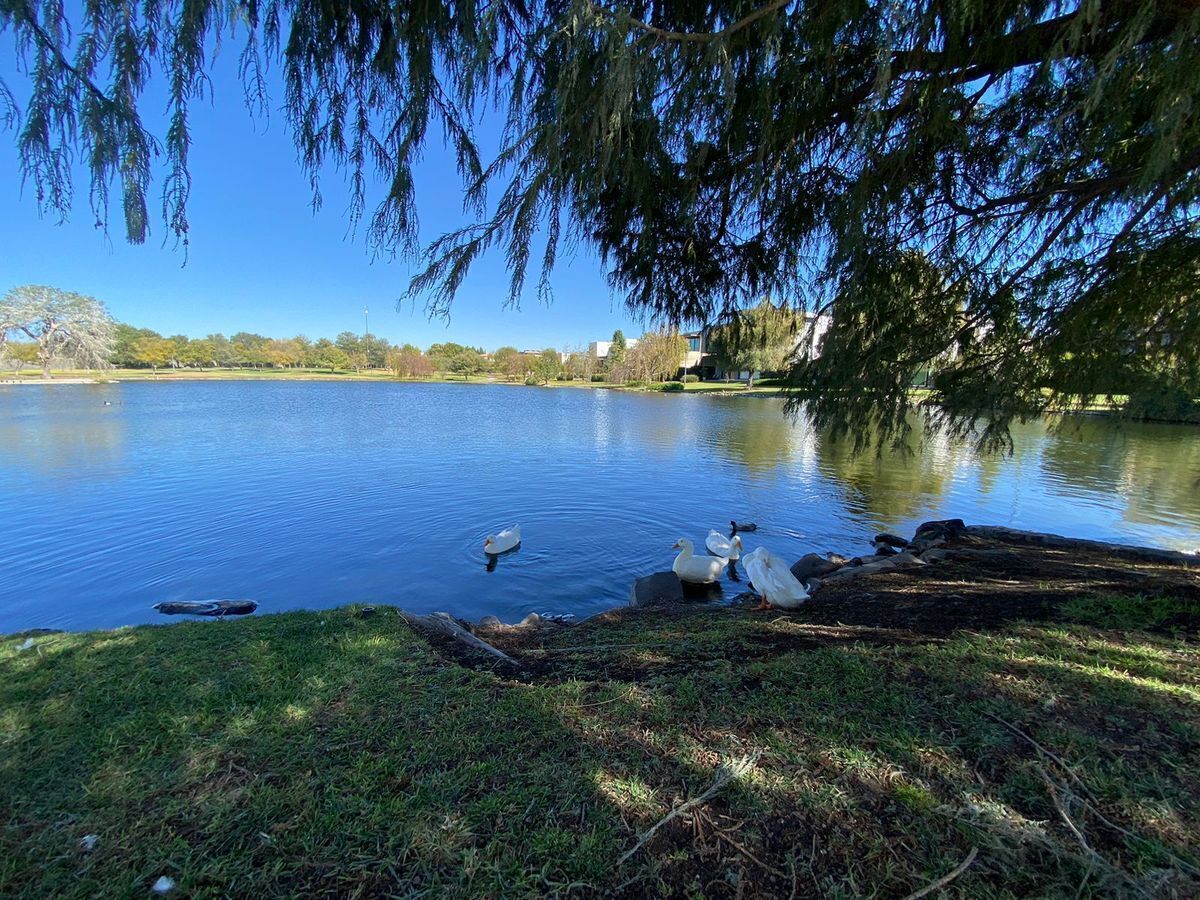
<point x="206" y="607"/>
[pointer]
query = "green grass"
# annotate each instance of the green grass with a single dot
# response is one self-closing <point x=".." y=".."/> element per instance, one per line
<point x="324" y="753"/>
<point x="1109" y="611"/>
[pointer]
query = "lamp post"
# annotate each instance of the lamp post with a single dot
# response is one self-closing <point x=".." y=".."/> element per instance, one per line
<point x="367" y="333"/>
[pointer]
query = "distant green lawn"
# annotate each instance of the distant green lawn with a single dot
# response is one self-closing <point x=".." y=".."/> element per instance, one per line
<point x="323" y="753"/>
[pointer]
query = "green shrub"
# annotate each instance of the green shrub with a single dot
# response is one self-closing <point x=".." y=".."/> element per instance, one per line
<point x="598" y="377"/>
<point x="635" y="384"/>
<point x="1163" y="403"/>
<point x="690" y="379"/>
<point x="673" y="387"/>
<point x="531" y="381"/>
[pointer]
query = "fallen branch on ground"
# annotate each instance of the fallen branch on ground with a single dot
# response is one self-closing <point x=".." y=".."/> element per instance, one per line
<point x="947" y="878"/>
<point x="1042" y="751"/>
<point x="1089" y="802"/>
<point x="725" y="774"/>
<point x="443" y="624"/>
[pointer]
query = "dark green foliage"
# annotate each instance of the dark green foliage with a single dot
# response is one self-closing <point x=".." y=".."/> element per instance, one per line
<point x="616" y="350"/>
<point x="671" y="387"/>
<point x="690" y="379"/>
<point x="1040" y="157"/>
<point x="760" y="339"/>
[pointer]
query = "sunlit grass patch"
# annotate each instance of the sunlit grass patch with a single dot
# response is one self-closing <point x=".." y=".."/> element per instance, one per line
<point x="314" y="753"/>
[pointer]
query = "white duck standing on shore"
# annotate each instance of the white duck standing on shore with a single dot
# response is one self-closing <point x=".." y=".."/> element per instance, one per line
<point x="726" y="548"/>
<point x="503" y="542"/>
<point x="696" y="569"/>
<point x="773" y="580"/>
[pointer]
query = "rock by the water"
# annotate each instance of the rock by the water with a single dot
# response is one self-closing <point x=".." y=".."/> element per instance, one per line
<point x="892" y="540"/>
<point x="873" y="565"/>
<point x="490" y="623"/>
<point x="926" y="540"/>
<point x="810" y="565"/>
<point x="206" y="607"/>
<point x="946" y="528"/>
<point x="656" y="590"/>
<point x="885" y="550"/>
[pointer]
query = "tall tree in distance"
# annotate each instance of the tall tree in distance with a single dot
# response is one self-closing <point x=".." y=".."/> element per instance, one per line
<point x="616" y="350"/>
<point x="510" y="363"/>
<point x="1044" y="155"/>
<point x="153" y="352"/>
<point x="466" y="362"/>
<point x="19" y="354"/>
<point x="407" y="361"/>
<point x="62" y="324"/>
<point x="759" y="339"/>
<point x="547" y="366"/>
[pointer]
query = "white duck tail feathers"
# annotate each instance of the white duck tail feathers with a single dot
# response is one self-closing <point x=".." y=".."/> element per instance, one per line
<point x="773" y="580"/>
<point x="719" y="545"/>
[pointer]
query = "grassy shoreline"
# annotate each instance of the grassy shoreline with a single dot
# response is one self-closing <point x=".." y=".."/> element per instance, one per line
<point x="896" y="726"/>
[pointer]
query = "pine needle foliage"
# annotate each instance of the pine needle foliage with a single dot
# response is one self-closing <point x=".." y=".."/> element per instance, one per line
<point x="1041" y="156"/>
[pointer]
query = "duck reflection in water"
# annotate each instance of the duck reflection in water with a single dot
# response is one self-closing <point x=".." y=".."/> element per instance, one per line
<point x="493" y="559"/>
<point x="707" y="593"/>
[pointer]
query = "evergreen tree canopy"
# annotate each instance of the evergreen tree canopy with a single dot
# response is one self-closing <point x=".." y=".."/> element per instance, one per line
<point x="1040" y="155"/>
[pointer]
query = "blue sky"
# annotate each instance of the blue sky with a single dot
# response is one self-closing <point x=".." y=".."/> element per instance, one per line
<point x="261" y="260"/>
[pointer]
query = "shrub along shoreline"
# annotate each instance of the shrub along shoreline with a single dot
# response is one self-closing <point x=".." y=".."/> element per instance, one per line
<point x="1027" y="722"/>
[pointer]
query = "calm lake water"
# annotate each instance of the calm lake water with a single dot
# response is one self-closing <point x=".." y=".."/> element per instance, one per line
<point x="317" y="494"/>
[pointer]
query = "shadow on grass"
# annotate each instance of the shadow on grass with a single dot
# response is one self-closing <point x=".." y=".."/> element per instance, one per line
<point x="322" y="753"/>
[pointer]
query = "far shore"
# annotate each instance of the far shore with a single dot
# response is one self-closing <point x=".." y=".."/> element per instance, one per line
<point x="374" y="375"/>
<point x="768" y="388"/>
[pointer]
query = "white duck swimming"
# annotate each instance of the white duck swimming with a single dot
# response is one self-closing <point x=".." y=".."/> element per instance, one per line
<point x="502" y="542"/>
<point x="773" y="580"/>
<point x="696" y="569"/>
<point x="726" y="548"/>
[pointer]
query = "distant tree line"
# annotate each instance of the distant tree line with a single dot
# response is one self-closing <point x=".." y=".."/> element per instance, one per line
<point x="44" y="325"/>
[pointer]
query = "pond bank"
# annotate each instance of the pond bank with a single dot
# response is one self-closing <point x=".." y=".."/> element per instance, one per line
<point x="1035" y="713"/>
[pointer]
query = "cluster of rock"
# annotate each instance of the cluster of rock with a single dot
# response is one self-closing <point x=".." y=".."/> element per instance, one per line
<point x="892" y="553"/>
<point x="930" y="544"/>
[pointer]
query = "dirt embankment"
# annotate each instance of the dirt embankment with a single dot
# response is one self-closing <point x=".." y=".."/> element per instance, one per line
<point x="963" y="578"/>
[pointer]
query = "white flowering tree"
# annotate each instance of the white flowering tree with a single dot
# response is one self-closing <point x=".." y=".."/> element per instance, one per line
<point x="62" y="324"/>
